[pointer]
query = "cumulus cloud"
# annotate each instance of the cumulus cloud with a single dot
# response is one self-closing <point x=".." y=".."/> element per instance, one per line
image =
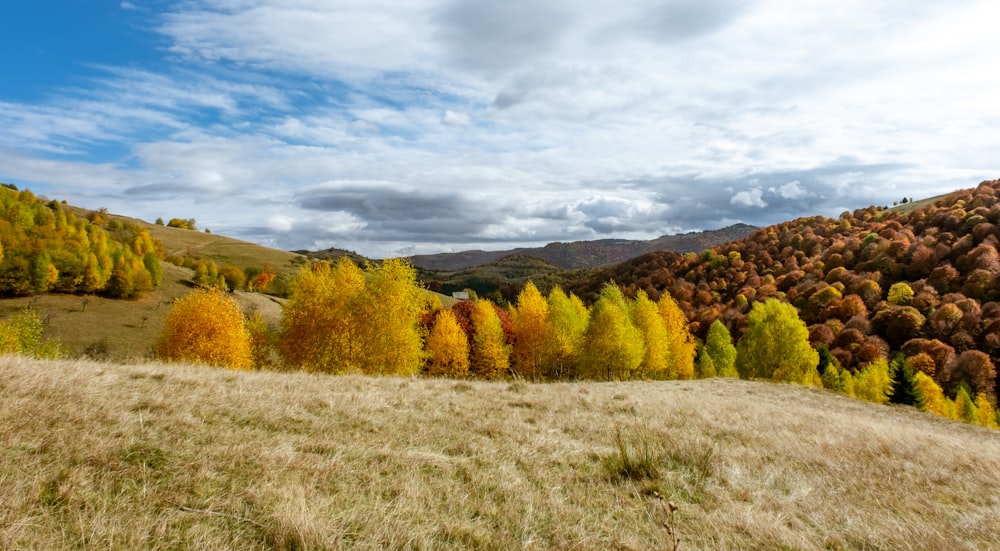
<point x="389" y="125"/>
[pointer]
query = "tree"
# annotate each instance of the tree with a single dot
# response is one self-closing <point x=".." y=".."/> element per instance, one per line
<point x="531" y="331"/>
<point x="387" y="318"/>
<point x="319" y="324"/>
<point x="234" y="277"/>
<point x="647" y="319"/>
<point x="612" y="346"/>
<point x="872" y="383"/>
<point x="567" y="324"/>
<point x="934" y="400"/>
<point x="682" y="347"/>
<point x="900" y="294"/>
<point x="972" y="368"/>
<point x="490" y="355"/>
<point x="903" y="387"/>
<point x="21" y="334"/>
<point x="775" y="346"/>
<point x="719" y="347"/>
<point x="206" y="327"/>
<point x="985" y="414"/>
<point x="447" y="347"/>
<point x="965" y="408"/>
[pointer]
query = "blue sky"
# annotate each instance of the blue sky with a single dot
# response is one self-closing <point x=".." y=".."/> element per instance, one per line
<point x="414" y="126"/>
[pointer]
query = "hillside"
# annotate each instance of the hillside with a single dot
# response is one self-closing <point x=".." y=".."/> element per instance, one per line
<point x="164" y="457"/>
<point x="869" y="283"/>
<point x="504" y="277"/>
<point x="588" y="254"/>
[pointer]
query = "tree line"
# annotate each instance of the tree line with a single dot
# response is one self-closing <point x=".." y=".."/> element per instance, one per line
<point x="342" y="319"/>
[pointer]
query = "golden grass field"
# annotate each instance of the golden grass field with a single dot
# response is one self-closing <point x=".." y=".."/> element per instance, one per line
<point x="109" y="456"/>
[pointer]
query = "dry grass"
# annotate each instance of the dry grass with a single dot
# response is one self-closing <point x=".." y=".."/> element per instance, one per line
<point x="176" y="457"/>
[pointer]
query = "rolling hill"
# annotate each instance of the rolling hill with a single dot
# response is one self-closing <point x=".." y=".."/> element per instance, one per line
<point x="588" y="254"/>
<point x="108" y="456"/>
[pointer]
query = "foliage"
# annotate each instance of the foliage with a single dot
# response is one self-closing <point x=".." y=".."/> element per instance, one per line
<point x="985" y="413"/>
<point x="613" y="348"/>
<point x="681" y="348"/>
<point x="903" y="387"/>
<point x="447" y="347"/>
<point x="206" y="327"/>
<point x="530" y="318"/>
<point x="490" y="354"/>
<point x="934" y="400"/>
<point x="568" y="319"/>
<point x="21" y="334"/>
<point x="656" y="361"/>
<point x="719" y="347"/>
<point x="775" y="346"/>
<point x="182" y="223"/>
<point x="44" y="247"/>
<point x="873" y="383"/>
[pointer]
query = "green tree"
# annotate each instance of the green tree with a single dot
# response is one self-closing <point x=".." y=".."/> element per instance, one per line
<point x="775" y="346"/>
<point x="719" y="346"/>
<point x="903" y="387"/>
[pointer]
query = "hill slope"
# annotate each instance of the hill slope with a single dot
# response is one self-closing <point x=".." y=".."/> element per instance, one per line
<point x="588" y="254"/>
<point x="163" y="457"/>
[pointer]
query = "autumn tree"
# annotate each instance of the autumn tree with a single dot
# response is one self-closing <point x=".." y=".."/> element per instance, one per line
<point x="206" y="327"/>
<point x="568" y="318"/>
<point x="447" y="347"/>
<point x="971" y="368"/>
<point x="22" y="334"/>
<point x="319" y="324"/>
<point x="490" y="354"/>
<point x="985" y="414"/>
<point x="873" y="382"/>
<point x="656" y="359"/>
<point x="719" y="347"/>
<point x="612" y="346"/>
<point x="682" y="347"/>
<point x="775" y="346"/>
<point x="531" y="331"/>
<point x="387" y="318"/>
<point x="934" y="400"/>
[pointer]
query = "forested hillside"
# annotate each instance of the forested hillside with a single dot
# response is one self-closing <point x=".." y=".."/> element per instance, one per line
<point x="870" y="283"/>
<point x="44" y="247"/>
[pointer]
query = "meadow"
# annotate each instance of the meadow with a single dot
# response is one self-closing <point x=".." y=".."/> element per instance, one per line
<point x="152" y="456"/>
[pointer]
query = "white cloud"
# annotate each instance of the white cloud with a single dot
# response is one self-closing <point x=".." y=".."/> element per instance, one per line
<point x="749" y="198"/>
<point x="526" y="121"/>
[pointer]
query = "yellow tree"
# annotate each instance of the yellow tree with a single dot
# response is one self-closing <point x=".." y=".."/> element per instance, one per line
<point x="490" y="355"/>
<point x="319" y="324"/>
<point x="985" y="414"/>
<point x="567" y="323"/>
<point x="206" y="327"/>
<point x="447" y="347"/>
<point x="682" y="346"/>
<point x="775" y="346"/>
<point x="387" y="320"/>
<point x="531" y="331"/>
<point x="612" y="346"/>
<point x="873" y="382"/>
<point x="934" y="400"/>
<point x="647" y="319"/>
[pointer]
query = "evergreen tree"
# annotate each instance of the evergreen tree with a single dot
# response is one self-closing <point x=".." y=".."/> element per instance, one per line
<point x="903" y="388"/>
<point x="965" y="408"/>
<point x="934" y="400"/>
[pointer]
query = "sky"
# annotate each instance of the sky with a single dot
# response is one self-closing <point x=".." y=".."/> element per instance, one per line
<point x="400" y="127"/>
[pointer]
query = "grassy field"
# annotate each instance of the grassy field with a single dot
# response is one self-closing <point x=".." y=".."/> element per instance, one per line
<point x="107" y="456"/>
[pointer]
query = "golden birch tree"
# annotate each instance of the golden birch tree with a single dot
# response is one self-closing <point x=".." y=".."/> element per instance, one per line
<point x="682" y="347"/>
<point x="612" y="346"/>
<point x="567" y="324"/>
<point x="206" y="327"/>
<point x="719" y="347"/>
<point x="655" y="362"/>
<point x="447" y="347"/>
<point x="490" y="354"/>
<point x="387" y="320"/>
<point x="775" y="346"/>
<point x="531" y="332"/>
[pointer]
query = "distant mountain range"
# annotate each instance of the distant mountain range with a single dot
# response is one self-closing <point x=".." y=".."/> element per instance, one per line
<point x="588" y="254"/>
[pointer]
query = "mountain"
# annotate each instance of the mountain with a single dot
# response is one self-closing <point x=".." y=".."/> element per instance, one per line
<point x="588" y="254"/>
<point x="872" y="283"/>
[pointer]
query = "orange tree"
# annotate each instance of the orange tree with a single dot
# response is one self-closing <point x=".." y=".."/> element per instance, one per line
<point x="206" y="327"/>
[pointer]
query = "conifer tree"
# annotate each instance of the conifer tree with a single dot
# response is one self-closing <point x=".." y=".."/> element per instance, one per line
<point x="447" y="347"/>
<point x="872" y="383"/>
<point x="719" y="346"/>
<point x="903" y="388"/>
<point x="531" y="331"/>
<point x="705" y="365"/>
<point x="775" y="346"/>
<point x="965" y="408"/>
